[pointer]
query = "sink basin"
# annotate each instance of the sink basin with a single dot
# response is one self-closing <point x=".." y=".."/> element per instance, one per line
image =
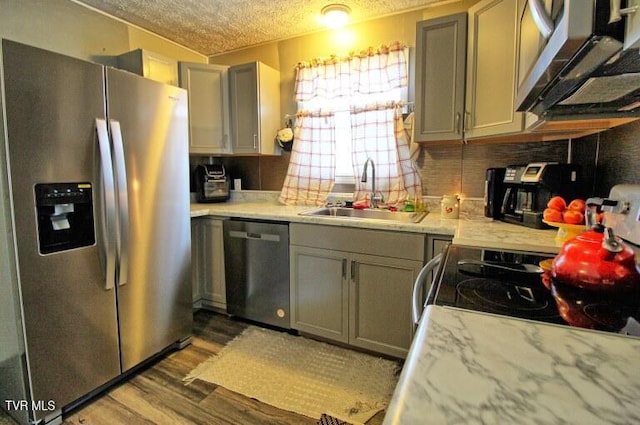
<point x="368" y="214"/>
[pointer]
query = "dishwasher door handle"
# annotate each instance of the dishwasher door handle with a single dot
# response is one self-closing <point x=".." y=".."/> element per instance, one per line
<point x="254" y="236"/>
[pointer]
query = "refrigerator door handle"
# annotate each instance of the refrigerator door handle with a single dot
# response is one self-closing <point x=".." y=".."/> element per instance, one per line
<point x="108" y="212"/>
<point x="123" y="201"/>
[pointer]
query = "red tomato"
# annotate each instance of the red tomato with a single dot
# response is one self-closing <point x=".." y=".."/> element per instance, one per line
<point x="577" y="205"/>
<point x="573" y="217"/>
<point x="550" y="214"/>
<point x="557" y="203"/>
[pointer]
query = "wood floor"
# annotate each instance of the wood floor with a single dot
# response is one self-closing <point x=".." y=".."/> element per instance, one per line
<point x="157" y="394"/>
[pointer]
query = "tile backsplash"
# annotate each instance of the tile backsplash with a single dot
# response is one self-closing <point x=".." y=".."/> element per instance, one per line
<point x="461" y="168"/>
<point x="606" y="159"/>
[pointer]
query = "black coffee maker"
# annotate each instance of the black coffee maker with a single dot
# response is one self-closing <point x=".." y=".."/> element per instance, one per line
<point x="525" y="191"/>
<point x="212" y="183"/>
<point x="494" y="192"/>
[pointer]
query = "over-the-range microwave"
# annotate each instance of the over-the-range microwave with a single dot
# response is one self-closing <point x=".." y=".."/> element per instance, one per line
<point x="573" y="59"/>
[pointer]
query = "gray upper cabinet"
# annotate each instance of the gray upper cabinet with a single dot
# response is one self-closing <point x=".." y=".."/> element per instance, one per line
<point x="491" y="70"/>
<point x="208" y="87"/>
<point x="465" y="74"/>
<point x="440" y="78"/>
<point x="150" y="65"/>
<point x="254" y="90"/>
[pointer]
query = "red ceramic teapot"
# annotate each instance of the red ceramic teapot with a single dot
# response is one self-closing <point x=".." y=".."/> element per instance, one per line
<point x="597" y="260"/>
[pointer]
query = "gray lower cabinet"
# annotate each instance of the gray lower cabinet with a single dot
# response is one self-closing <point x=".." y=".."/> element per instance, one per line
<point x="207" y="263"/>
<point x="354" y="285"/>
<point x="380" y="290"/>
<point x="319" y="292"/>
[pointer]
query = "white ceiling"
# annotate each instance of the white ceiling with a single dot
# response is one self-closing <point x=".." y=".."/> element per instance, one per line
<point x="216" y="26"/>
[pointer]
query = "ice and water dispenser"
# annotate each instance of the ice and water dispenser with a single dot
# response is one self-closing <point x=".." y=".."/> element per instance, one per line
<point x="65" y="216"/>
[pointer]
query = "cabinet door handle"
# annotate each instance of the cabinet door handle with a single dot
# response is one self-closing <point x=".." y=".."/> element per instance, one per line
<point x="467" y="120"/>
<point x="255" y="141"/>
<point x="353" y="271"/>
<point x="457" y="123"/>
<point x="344" y="268"/>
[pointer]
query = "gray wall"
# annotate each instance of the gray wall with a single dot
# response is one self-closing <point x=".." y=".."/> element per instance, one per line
<point x="65" y="27"/>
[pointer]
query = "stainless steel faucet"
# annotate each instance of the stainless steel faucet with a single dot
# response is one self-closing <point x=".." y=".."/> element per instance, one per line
<point x="373" y="202"/>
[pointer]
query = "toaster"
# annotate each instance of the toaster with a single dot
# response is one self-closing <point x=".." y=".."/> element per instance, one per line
<point x="212" y="183"/>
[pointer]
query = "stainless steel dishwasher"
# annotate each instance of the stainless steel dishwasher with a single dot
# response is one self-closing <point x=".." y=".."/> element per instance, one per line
<point x="256" y="259"/>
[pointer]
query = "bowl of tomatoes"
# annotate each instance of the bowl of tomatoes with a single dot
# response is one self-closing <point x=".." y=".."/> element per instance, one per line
<point x="567" y="217"/>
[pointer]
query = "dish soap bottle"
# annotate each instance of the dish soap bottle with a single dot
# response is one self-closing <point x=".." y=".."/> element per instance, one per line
<point x="409" y="206"/>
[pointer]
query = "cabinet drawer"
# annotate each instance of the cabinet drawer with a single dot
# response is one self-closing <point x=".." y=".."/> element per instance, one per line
<point x="410" y="246"/>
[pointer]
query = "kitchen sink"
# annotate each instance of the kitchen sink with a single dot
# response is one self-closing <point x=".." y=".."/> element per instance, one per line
<point x="367" y="214"/>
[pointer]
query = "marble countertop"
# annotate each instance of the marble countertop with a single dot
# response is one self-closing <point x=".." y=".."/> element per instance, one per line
<point x="475" y="368"/>
<point x="486" y="233"/>
<point x="472" y="229"/>
<point x="431" y="224"/>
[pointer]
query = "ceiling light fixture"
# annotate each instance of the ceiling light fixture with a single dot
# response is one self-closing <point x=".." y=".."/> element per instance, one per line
<point x="335" y="15"/>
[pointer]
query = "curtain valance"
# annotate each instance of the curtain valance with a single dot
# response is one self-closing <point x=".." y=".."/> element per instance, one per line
<point x="370" y="71"/>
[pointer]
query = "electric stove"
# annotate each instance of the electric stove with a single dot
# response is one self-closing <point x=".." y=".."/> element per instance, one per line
<point x="510" y="283"/>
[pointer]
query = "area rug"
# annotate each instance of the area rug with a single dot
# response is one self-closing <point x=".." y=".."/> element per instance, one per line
<point x="301" y="375"/>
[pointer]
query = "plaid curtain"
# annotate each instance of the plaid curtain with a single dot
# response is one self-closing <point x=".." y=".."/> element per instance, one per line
<point x="378" y="133"/>
<point x="370" y="71"/>
<point x="311" y="172"/>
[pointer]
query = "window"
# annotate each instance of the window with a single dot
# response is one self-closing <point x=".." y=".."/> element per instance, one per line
<point x="342" y="105"/>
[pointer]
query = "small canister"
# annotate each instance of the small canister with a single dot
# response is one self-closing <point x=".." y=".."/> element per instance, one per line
<point x="450" y="206"/>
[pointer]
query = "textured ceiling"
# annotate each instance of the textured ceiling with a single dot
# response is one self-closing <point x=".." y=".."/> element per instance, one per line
<point x="216" y="26"/>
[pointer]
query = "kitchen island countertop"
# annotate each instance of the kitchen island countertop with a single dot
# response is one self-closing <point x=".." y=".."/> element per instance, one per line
<point x="476" y="368"/>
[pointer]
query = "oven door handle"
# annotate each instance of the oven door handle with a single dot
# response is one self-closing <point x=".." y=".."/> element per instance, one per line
<point x="418" y="287"/>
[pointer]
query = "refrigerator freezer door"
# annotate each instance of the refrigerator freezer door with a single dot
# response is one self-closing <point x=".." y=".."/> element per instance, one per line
<point x="154" y="305"/>
<point x="51" y="103"/>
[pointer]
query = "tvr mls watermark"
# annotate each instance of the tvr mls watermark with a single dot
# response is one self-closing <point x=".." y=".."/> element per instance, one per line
<point x="41" y="405"/>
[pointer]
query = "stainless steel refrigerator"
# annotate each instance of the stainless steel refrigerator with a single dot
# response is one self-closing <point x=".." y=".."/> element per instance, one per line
<point x="98" y="175"/>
